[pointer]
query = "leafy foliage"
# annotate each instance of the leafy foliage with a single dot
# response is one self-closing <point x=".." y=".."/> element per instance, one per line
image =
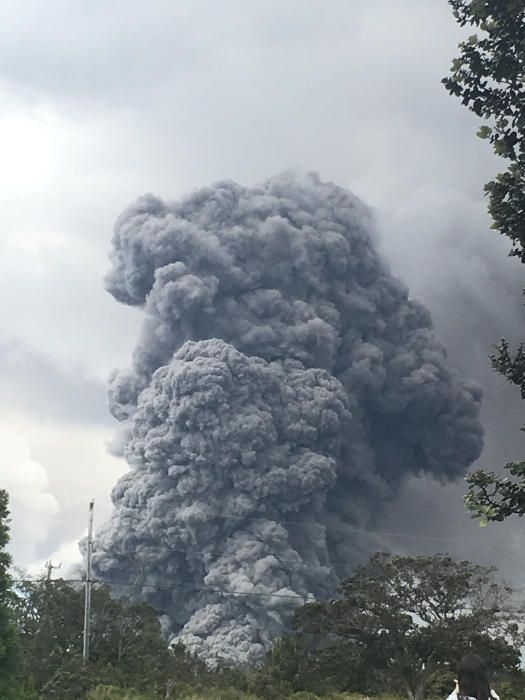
<point x="399" y="625"/>
<point x="290" y="667"/>
<point x="127" y="647"/>
<point x="9" y="649"/>
<point x="489" y="77"/>
<point x="493" y="498"/>
<point x="410" y="617"/>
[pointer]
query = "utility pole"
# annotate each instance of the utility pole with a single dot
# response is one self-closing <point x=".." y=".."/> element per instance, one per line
<point x="49" y="568"/>
<point x="87" y="590"/>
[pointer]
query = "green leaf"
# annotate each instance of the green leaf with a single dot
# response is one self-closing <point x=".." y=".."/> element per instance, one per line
<point x="484" y="132"/>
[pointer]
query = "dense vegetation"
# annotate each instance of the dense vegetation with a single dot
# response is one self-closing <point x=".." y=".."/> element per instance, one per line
<point x="489" y="78"/>
<point x="9" y="649"/>
<point x="396" y="630"/>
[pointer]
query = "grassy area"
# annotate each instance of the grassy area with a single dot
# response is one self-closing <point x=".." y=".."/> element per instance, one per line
<point x="105" y="693"/>
<point x="507" y="691"/>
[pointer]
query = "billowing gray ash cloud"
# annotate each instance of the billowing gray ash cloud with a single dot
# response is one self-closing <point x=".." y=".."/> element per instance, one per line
<point x="282" y="388"/>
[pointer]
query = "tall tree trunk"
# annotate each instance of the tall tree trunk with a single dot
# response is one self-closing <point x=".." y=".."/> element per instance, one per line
<point x="417" y="689"/>
<point x="420" y="690"/>
<point x="411" y="695"/>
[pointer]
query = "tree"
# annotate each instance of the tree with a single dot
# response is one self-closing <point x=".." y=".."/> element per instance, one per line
<point x="290" y="667"/>
<point x="128" y="638"/>
<point x="492" y="497"/>
<point x="489" y="77"/>
<point x="408" y="618"/>
<point x="49" y="618"/>
<point x="9" y="650"/>
<point x="127" y="648"/>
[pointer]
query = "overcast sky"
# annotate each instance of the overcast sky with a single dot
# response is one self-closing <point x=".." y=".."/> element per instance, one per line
<point x="103" y="101"/>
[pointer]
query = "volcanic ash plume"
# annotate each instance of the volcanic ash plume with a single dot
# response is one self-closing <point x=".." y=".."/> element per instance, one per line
<point x="282" y="388"/>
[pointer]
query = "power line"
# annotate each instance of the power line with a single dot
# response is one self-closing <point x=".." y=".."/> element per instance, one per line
<point x="13" y="498"/>
<point x="338" y="528"/>
<point x="297" y="561"/>
<point x="198" y="589"/>
<point x="334" y="528"/>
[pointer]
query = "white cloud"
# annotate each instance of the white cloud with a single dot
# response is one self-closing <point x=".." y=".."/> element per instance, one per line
<point x="33" y="507"/>
<point x="65" y="560"/>
<point x="51" y="473"/>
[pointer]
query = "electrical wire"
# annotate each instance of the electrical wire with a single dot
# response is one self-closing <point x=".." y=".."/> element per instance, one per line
<point x="178" y="586"/>
<point x="296" y="561"/>
<point x="337" y="528"/>
<point x="223" y="591"/>
<point x="304" y="525"/>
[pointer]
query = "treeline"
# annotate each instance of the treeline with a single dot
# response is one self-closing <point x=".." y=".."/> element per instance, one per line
<point x="397" y="629"/>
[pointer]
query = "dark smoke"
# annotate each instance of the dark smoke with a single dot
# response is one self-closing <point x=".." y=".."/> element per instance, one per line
<point x="282" y="389"/>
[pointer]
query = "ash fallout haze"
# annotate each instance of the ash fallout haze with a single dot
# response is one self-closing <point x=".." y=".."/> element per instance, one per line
<point x="283" y="386"/>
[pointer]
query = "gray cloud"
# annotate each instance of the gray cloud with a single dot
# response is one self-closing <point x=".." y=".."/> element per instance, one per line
<point x="37" y="386"/>
<point x="326" y="391"/>
<point x="440" y="240"/>
<point x="460" y="269"/>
